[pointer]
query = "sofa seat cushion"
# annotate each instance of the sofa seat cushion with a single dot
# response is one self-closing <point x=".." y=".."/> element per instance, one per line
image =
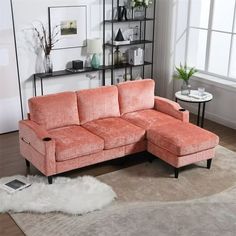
<point x="75" y="141"/>
<point x="136" y="95"/>
<point x="116" y="132"/>
<point x="54" y="110"/>
<point x="148" y="118"/>
<point x="182" y="138"/>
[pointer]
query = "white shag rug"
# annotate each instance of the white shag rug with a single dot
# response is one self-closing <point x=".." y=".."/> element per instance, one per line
<point x="72" y="196"/>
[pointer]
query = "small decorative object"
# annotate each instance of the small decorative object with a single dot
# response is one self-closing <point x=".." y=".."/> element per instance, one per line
<point x="129" y="34"/>
<point x="127" y="77"/>
<point x="139" y="7"/>
<point x="119" y="36"/>
<point x="201" y="91"/>
<point x="140" y="3"/>
<point x="119" y="39"/>
<point x="95" y="48"/>
<point x="138" y="77"/>
<point x="119" y="79"/>
<point x="136" y="56"/>
<point x="125" y="13"/>
<point x="122" y="13"/>
<point x="72" y="21"/>
<point x="47" y="43"/>
<point x="48" y="66"/>
<point x="136" y="33"/>
<point x="117" y="57"/>
<point x="124" y="58"/>
<point x="77" y="65"/>
<point x="139" y="12"/>
<point x="185" y="73"/>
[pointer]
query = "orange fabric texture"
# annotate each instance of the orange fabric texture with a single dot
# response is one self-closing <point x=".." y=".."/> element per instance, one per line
<point x="75" y="141"/>
<point x="98" y="103"/>
<point x="116" y="132"/>
<point x="147" y="118"/>
<point x="171" y="108"/>
<point x="105" y="155"/>
<point x="55" y="110"/>
<point x="182" y="138"/>
<point x="34" y="134"/>
<point x="86" y="127"/>
<point x="179" y="161"/>
<point x="136" y="95"/>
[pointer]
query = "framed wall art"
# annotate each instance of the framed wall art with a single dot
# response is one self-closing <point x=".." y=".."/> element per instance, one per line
<point x="70" y="22"/>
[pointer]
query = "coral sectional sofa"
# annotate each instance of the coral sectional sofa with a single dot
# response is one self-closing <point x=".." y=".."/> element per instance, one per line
<point x="71" y="130"/>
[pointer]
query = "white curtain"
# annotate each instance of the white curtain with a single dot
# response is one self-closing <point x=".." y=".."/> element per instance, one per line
<point x="170" y="42"/>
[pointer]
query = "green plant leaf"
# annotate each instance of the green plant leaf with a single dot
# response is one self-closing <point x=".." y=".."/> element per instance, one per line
<point x="184" y="73"/>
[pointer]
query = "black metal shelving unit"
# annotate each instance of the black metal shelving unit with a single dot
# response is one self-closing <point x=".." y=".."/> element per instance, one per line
<point x="142" y="41"/>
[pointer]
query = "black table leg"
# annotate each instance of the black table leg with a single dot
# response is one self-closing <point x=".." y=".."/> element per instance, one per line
<point x="198" y="114"/>
<point x="203" y="114"/>
<point x="35" y="92"/>
<point x="41" y="80"/>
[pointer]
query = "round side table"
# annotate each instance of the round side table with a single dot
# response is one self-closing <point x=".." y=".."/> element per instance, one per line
<point x="194" y="98"/>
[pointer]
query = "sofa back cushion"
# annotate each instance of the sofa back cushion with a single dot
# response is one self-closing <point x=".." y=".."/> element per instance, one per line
<point x="136" y="95"/>
<point x="98" y="103"/>
<point x="54" y="110"/>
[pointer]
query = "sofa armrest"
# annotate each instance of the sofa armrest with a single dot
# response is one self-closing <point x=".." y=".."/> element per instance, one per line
<point x="171" y="108"/>
<point x="34" y="136"/>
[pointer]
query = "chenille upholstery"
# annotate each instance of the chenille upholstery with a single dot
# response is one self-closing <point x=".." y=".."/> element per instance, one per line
<point x="182" y="138"/>
<point x="75" y="141"/>
<point x="138" y="97"/>
<point x="71" y="130"/>
<point x="116" y="132"/>
<point x="54" y="110"/>
<point x="148" y="118"/>
<point x="98" y="103"/>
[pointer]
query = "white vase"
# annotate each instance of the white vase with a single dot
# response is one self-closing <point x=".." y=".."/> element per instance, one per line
<point x="48" y="66"/>
<point x="185" y="88"/>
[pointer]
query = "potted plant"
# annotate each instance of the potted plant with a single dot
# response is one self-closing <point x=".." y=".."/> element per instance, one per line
<point x="140" y="3"/>
<point x="139" y="6"/>
<point x="184" y="73"/>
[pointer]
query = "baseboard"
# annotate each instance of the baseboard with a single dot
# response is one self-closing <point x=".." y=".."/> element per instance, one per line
<point x="213" y="117"/>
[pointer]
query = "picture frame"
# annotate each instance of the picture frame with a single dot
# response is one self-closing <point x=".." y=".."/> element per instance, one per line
<point x="71" y="25"/>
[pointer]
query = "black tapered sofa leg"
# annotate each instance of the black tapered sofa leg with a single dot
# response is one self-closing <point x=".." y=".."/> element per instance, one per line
<point x="209" y="161"/>
<point x="49" y="179"/>
<point x="27" y="163"/>
<point x="176" y="173"/>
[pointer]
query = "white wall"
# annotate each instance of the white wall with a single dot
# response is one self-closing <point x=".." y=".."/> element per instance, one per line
<point x="10" y="111"/>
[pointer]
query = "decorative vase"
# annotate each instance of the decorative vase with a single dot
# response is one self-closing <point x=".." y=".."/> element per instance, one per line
<point x="139" y="12"/>
<point x="48" y="66"/>
<point x="185" y="88"/>
<point x="120" y="13"/>
<point x="118" y="57"/>
<point x="95" y="63"/>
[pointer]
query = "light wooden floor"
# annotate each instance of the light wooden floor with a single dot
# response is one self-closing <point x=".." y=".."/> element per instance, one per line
<point x="11" y="163"/>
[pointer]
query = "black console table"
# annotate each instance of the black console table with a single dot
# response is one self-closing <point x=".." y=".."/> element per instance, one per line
<point x="42" y="76"/>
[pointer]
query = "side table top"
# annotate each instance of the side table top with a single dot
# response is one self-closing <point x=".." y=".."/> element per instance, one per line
<point x="194" y="97"/>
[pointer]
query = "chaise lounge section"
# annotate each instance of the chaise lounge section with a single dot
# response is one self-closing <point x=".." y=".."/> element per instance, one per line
<point x="71" y="130"/>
